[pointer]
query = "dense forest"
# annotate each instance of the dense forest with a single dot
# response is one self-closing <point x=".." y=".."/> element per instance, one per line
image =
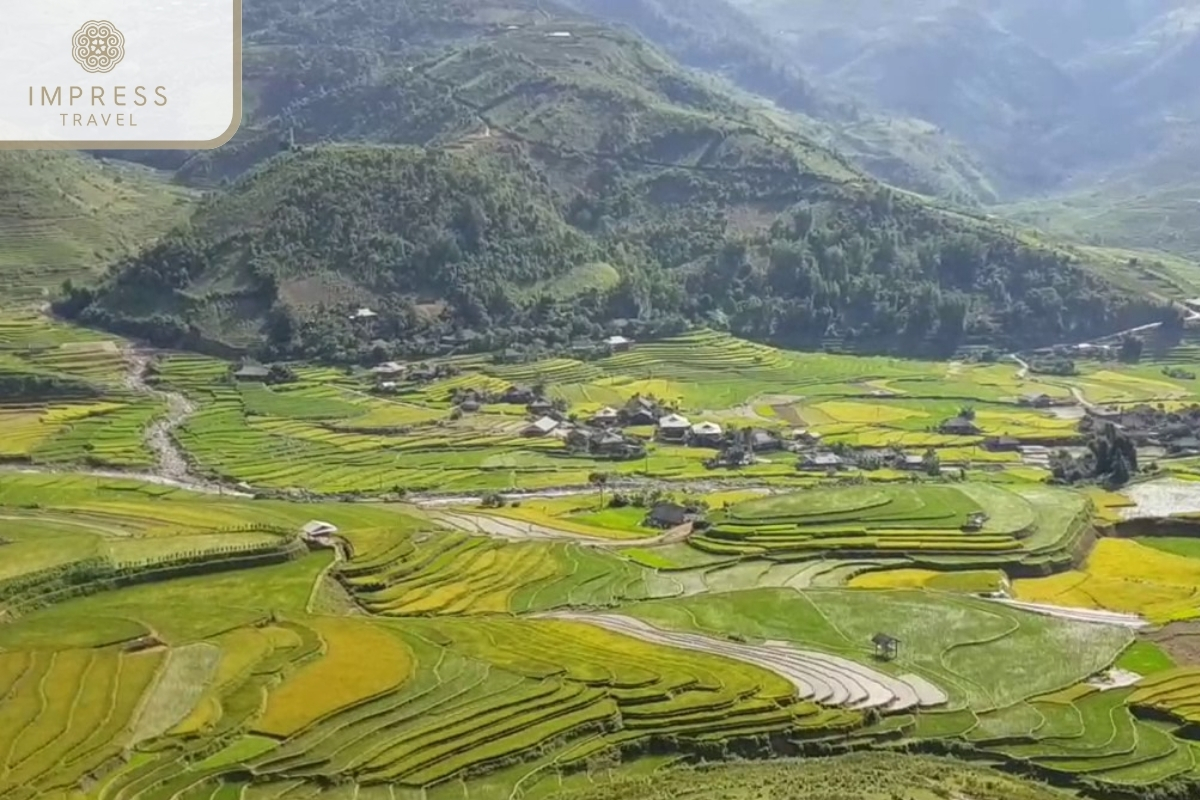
<point x="478" y="251"/>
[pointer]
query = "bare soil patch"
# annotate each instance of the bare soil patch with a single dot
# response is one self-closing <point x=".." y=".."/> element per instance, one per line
<point x="1179" y="640"/>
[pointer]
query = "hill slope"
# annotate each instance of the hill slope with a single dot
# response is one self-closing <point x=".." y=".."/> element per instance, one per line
<point x="441" y="244"/>
<point x="63" y="215"/>
<point x="574" y="175"/>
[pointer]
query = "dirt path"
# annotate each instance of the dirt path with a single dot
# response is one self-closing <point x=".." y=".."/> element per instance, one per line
<point x="1022" y="364"/>
<point x="1132" y="621"/>
<point x="516" y="530"/>
<point x="826" y="679"/>
<point x="1077" y="393"/>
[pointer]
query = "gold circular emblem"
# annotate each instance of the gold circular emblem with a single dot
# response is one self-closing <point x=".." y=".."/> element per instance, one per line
<point x="98" y="46"/>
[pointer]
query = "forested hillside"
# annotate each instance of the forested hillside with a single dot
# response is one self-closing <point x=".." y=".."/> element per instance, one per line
<point x="527" y="184"/>
<point x="467" y="249"/>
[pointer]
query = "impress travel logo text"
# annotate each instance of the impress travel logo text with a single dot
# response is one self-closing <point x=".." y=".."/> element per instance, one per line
<point x="168" y="76"/>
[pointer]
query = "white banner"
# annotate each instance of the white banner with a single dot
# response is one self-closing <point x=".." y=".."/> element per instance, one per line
<point x="95" y="74"/>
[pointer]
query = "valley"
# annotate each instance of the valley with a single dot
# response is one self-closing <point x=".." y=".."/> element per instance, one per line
<point x="538" y="614"/>
<point x="564" y="400"/>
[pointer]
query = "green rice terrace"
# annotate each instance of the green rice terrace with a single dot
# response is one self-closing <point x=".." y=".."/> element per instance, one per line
<point x="590" y="579"/>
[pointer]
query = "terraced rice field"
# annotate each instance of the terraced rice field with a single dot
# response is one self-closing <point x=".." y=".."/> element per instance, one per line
<point x="159" y="644"/>
<point x="327" y="433"/>
<point x="1126" y="576"/>
<point x="90" y="417"/>
<point x="929" y="525"/>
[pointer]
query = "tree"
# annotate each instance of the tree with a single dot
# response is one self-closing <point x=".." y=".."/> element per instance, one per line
<point x="599" y="480"/>
<point x="967" y="412"/>
<point x="1131" y="349"/>
<point x="932" y="463"/>
<point x="279" y="373"/>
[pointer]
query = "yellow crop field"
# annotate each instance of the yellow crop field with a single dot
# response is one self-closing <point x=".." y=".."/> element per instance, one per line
<point x="135" y="674"/>
<point x="66" y="678"/>
<point x="1108" y="504"/>
<point x="965" y="581"/>
<point x="892" y="579"/>
<point x="90" y="703"/>
<point x="1122" y="575"/>
<point x="23" y="431"/>
<point x="241" y="649"/>
<point x="360" y="661"/>
<point x="865" y="413"/>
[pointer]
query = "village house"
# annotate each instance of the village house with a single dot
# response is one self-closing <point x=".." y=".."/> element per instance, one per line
<point x="517" y="395"/>
<point x="706" y="434"/>
<point x="1036" y="401"/>
<point x="423" y="374"/>
<point x="732" y="457"/>
<point x="1002" y="444"/>
<point x="619" y="344"/>
<point x="364" y="313"/>
<point x="539" y="406"/>
<point x="821" y="461"/>
<point x="580" y="438"/>
<point x="640" y="410"/>
<point x="542" y="427"/>
<point x="975" y="521"/>
<point x="886" y="647"/>
<point x="252" y="372"/>
<point x="470" y="405"/>
<point x="803" y="436"/>
<point x="673" y="428"/>
<point x="959" y="426"/>
<point x="909" y="462"/>
<point x="605" y="417"/>
<point x="764" y="441"/>
<point x="388" y="369"/>
<point x="670" y="515"/>
<point x="610" y="444"/>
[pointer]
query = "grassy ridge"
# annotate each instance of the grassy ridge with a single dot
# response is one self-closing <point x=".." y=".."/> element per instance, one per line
<point x="65" y="216"/>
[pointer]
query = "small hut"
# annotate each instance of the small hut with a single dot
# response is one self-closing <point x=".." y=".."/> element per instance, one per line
<point x="886" y="647"/>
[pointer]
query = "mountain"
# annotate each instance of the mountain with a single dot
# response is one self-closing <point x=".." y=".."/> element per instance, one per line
<point x="311" y="72"/>
<point x="1045" y="93"/>
<point x="563" y="176"/>
<point x="716" y="37"/>
<point x="1092" y="100"/>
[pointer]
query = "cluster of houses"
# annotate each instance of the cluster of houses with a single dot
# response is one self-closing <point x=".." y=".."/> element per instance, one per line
<point x="821" y="460"/>
<point x="390" y="374"/>
<point x="964" y="425"/>
<point x="1177" y="431"/>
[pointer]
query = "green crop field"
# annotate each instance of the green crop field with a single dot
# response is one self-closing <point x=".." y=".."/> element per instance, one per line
<point x="181" y="637"/>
